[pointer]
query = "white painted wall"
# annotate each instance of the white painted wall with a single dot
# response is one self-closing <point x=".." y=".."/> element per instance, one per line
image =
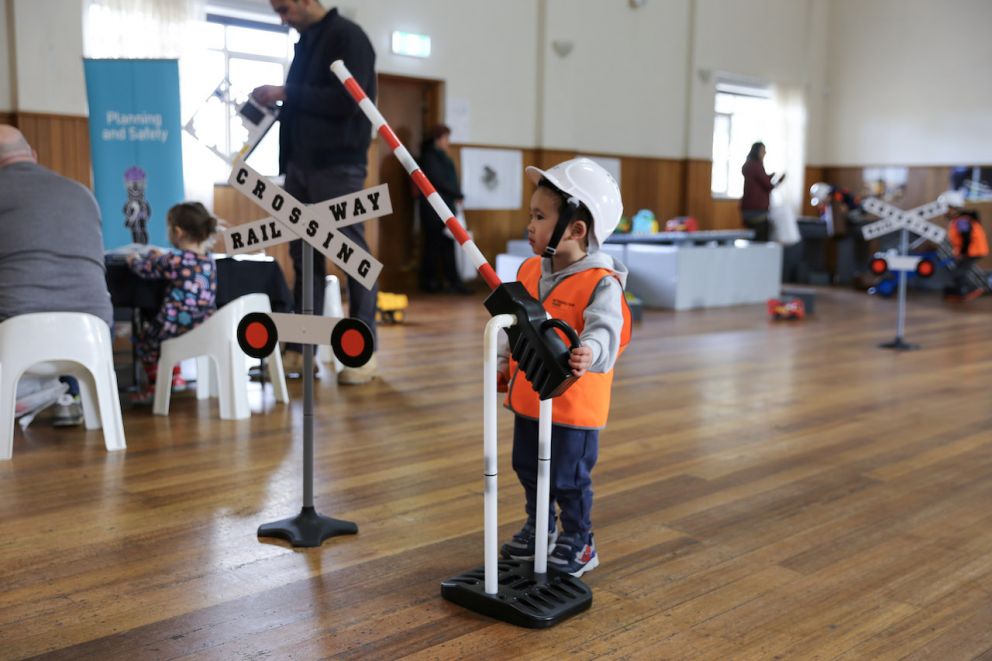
<point x="909" y="82"/>
<point x="622" y="87"/>
<point x="486" y="52"/>
<point x="6" y="100"/>
<point x="49" y="67"/>
<point x="764" y="40"/>
<point x="887" y="82"/>
<point x="815" y="88"/>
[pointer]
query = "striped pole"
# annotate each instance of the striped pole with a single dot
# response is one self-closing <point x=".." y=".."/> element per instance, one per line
<point x="426" y="188"/>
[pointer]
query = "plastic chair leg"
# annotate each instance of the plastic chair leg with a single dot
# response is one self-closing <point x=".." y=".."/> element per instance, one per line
<point x="332" y="308"/>
<point x="206" y="380"/>
<point x="163" y="383"/>
<point x="89" y="395"/>
<point x="278" y="376"/>
<point x="233" y="384"/>
<point x="109" y="402"/>
<point x="8" y="401"/>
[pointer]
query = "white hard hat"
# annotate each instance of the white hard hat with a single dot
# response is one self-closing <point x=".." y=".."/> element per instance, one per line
<point x="820" y="193"/>
<point x="592" y="185"/>
<point x="952" y="198"/>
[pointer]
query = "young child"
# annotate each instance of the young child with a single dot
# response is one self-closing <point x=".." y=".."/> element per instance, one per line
<point x="575" y="207"/>
<point x="191" y="278"/>
<point x="969" y="243"/>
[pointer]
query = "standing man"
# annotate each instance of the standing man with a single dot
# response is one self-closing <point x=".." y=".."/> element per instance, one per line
<point x="323" y="144"/>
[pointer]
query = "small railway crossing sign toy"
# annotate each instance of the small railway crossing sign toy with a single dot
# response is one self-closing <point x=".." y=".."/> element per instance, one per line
<point x="351" y="340"/>
<point x="894" y="219"/>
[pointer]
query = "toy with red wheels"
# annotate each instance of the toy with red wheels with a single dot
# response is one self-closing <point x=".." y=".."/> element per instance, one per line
<point x="891" y="260"/>
<point x="792" y="308"/>
<point x="350" y="339"/>
<point x="886" y="264"/>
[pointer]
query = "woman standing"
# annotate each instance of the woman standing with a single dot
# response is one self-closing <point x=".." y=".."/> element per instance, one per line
<point x="758" y="186"/>
<point x="438" y="246"/>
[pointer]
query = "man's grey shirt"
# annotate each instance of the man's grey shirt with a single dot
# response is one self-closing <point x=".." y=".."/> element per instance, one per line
<point x="51" y="245"/>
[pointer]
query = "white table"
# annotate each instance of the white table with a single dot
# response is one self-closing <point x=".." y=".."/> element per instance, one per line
<point x="685" y="276"/>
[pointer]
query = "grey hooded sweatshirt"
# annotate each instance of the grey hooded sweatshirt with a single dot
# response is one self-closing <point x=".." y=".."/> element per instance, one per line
<point x="603" y="316"/>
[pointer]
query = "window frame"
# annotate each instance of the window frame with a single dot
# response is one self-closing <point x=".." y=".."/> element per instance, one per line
<point x="228" y="54"/>
<point x="740" y="88"/>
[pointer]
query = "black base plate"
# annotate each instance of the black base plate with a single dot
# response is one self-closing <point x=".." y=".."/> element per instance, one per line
<point x="899" y="344"/>
<point x="308" y="528"/>
<point x="524" y="599"/>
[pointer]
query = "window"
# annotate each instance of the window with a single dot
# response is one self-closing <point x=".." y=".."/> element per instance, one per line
<point x="247" y="54"/>
<point x="744" y="114"/>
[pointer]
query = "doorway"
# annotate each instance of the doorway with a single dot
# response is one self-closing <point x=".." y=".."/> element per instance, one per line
<point x="411" y="106"/>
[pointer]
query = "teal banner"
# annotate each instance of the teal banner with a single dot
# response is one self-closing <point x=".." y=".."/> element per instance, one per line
<point x="136" y="147"/>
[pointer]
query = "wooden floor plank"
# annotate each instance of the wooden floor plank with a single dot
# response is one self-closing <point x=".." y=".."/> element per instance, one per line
<point x="763" y="489"/>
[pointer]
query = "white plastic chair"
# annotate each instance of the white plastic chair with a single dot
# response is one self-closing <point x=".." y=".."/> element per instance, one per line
<point x="221" y="365"/>
<point x="332" y="308"/>
<point x="54" y="343"/>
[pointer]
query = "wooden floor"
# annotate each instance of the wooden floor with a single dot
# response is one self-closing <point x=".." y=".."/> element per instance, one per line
<point x="765" y="490"/>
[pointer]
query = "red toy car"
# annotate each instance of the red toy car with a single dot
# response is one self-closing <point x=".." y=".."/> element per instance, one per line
<point x="792" y="308"/>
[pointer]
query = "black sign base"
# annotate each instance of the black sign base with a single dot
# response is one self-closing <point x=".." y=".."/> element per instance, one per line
<point x="898" y="344"/>
<point x="523" y="599"/>
<point x="307" y="529"/>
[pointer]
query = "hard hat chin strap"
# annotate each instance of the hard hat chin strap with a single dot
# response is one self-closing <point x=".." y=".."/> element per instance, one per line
<point x="564" y="219"/>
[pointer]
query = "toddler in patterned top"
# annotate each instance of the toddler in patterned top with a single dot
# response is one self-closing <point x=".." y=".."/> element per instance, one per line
<point x="191" y="284"/>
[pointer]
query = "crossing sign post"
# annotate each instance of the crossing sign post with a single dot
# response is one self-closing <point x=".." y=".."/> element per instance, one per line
<point x="894" y="219"/>
<point x="318" y="225"/>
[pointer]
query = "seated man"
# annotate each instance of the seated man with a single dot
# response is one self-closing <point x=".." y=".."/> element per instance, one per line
<point x="51" y="247"/>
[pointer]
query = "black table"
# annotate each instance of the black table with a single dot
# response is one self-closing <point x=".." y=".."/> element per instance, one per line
<point x="235" y="277"/>
<point x="135" y="298"/>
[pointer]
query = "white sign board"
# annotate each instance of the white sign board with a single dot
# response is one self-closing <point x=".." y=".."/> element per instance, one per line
<point x="314" y="224"/>
<point x="894" y="218"/>
<point x="355" y="207"/>
<point x="492" y="178"/>
<point x="254" y="236"/>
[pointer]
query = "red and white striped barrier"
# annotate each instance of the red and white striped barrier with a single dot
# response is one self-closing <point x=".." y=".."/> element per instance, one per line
<point x="475" y="255"/>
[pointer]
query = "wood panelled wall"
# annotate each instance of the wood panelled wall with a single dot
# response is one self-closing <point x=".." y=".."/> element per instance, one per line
<point x="669" y="187"/>
<point x="62" y="142"/>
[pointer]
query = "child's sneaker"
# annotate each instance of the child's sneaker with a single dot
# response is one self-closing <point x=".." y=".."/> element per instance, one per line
<point x="521" y="547"/>
<point x="68" y="412"/>
<point x="574" y="557"/>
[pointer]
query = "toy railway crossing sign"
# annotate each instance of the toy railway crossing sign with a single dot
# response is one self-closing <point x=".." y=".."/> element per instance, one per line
<point x="893" y="218"/>
<point x="317" y="224"/>
<point x="351" y="340"/>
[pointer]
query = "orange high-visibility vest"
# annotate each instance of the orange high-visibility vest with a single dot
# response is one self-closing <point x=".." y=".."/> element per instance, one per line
<point x="586" y="403"/>
<point x="979" y="246"/>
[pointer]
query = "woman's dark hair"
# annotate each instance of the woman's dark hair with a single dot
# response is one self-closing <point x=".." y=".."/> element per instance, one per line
<point x="755" y="148"/>
<point x="438" y="131"/>
<point x="193" y="219"/>
<point x="581" y="213"/>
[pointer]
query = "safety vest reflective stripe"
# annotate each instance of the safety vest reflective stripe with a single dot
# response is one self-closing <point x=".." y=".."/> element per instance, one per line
<point x="586" y="403"/>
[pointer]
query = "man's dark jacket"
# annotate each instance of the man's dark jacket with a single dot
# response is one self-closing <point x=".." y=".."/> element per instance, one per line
<point x="321" y="124"/>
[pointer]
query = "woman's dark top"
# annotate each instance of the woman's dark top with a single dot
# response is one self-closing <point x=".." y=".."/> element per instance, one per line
<point x="757" y="186"/>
